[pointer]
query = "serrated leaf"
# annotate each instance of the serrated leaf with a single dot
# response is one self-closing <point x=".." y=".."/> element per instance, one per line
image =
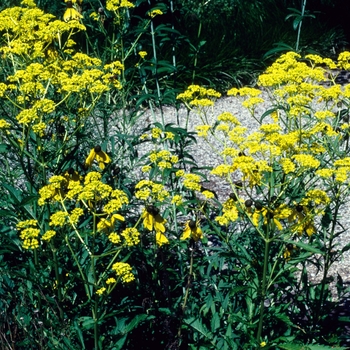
<point x="215" y="322"/>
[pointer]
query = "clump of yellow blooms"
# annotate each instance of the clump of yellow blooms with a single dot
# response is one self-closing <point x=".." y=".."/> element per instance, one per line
<point x="294" y="142"/>
<point x="124" y="271"/>
<point x="198" y="96"/>
<point x="115" y="5"/>
<point x="34" y="36"/>
<point x="29" y="233"/>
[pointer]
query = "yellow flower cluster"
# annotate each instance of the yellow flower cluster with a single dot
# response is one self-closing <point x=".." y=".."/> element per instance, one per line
<point x="131" y="236"/>
<point x="101" y="291"/>
<point x="191" y="182"/>
<point x="48" y="235"/>
<point x="31" y="36"/>
<point x="124" y="271"/>
<point x="229" y="212"/>
<point x="30" y="31"/>
<point x="4" y="124"/>
<point x="198" y="96"/>
<point x="115" y="5"/>
<point x="29" y="233"/>
<point x="306" y="124"/>
<point x="111" y="280"/>
<point x="148" y="189"/>
<point x="90" y="191"/>
<point x="163" y="159"/>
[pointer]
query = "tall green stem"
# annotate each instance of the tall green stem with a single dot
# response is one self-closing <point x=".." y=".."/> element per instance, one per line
<point x="263" y="289"/>
<point x="300" y="24"/>
<point x="196" y="54"/>
<point x="155" y="71"/>
<point x="327" y="261"/>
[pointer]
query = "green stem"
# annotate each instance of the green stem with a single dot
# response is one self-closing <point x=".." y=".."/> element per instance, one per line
<point x="86" y="284"/>
<point x="327" y="261"/>
<point x="263" y="289"/>
<point x="196" y="55"/>
<point x="58" y="279"/>
<point x="94" y="309"/>
<point x="300" y="24"/>
<point x="155" y="71"/>
<point x="188" y="285"/>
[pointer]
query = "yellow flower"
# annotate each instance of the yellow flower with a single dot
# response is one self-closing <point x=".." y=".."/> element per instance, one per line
<point x="4" y="124"/>
<point x="192" y="230"/>
<point x="191" y="182"/>
<point x="111" y="280"/>
<point x="288" y="252"/>
<point x="71" y="13"/>
<point x="304" y="220"/>
<point x="146" y="168"/>
<point x="58" y="219"/>
<point x="29" y="233"/>
<point x="152" y="219"/>
<point x="48" y="235"/>
<point x="143" y="54"/>
<point x="161" y="239"/>
<point x="154" y="13"/>
<point x="208" y="194"/>
<point x="202" y="130"/>
<point x="114" y="238"/>
<point x="101" y="291"/>
<point x="101" y="157"/>
<point x="177" y="199"/>
<point x="29" y="3"/>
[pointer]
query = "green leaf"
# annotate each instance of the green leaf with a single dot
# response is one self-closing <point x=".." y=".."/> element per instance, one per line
<point x="306" y="246"/>
<point x="293" y="347"/>
<point x="87" y="322"/>
<point x="215" y="322"/>
<point x="119" y="345"/>
<point x="198" y="326"/>
<point x="80" y="334"/>
<point x="5" y="212"/>
<point x="327" y="217"/>
<point x="3" y="148"/>
<point x="16" y="195"/>
<point x="325" y="347"/>
<point x="309" y="347"/>
<point x="136" y="321"/>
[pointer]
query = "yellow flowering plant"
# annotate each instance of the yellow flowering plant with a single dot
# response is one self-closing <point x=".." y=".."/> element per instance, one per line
<point x="289" y="179"/>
